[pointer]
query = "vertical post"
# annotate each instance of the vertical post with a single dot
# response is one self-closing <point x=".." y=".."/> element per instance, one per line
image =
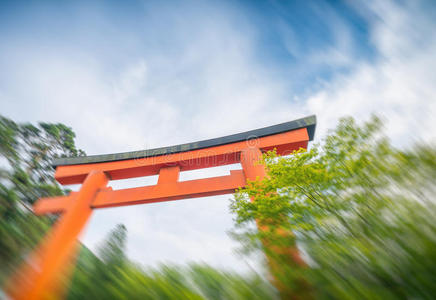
<point x="168" y="175"/>
<point x="39" y="277"/>
<point x="249" y="161"/>
<point x="250" y="158"/>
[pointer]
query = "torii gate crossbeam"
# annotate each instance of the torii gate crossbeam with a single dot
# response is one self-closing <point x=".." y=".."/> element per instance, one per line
<point x="39" y="277"/>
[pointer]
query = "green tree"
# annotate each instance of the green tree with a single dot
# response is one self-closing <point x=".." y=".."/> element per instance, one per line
<point x="362" y="212"/>
<point x="112" y="253"/>
<point x="26" y="174"/>
<point x="96" y="277"/>
<point x="113" y="276"/>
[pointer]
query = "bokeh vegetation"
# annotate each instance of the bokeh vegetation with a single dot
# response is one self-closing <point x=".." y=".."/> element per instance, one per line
<point x="362" y="213"/>
<point x="110" y="275"/>
<point x="26" y="152"/>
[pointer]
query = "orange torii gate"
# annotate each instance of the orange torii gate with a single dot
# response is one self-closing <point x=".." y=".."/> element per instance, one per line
<point x="39" y="276"/>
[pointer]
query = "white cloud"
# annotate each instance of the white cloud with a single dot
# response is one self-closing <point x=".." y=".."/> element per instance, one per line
<point x="399" y="85"/>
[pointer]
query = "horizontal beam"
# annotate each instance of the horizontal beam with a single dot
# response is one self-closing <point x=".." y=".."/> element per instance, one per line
<point x="172" y="191"/>
<point x="150" y="194"/>
<point x="53" y="204"/>
<point x="284" y="143"/>
<point x="308" y="122"/>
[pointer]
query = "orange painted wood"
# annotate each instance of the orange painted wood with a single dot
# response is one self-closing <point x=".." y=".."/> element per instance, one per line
<point x="250" y="161"/>
<point x="168" y="175"/>
<point x="53" y="204"/>
<point x="163" y="191"/>
<point x="171" y="191"/>
<point x="285" y="143"/>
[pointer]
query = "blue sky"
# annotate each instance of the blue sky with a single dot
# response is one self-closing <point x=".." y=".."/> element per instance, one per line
<point x="284" y="36"/>
<point x="131" y="75"/>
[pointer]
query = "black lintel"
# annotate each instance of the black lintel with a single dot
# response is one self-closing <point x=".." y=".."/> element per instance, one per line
<point x="307" y="122"/>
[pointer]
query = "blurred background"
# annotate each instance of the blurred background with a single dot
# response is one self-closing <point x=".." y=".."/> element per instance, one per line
<point x="132" y="75"/>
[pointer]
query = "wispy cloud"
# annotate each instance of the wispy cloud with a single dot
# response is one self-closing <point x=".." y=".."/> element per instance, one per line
<point x="398" y="85"/>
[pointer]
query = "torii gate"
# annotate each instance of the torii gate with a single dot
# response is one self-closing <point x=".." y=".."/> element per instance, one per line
<point x="39" y="277"/>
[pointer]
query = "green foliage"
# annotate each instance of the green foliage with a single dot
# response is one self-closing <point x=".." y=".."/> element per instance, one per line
<point x="26" y="152"/>
<point x="112" y="252"/>
<point x="362" y="211"/>
<point x="113" y="276"/>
